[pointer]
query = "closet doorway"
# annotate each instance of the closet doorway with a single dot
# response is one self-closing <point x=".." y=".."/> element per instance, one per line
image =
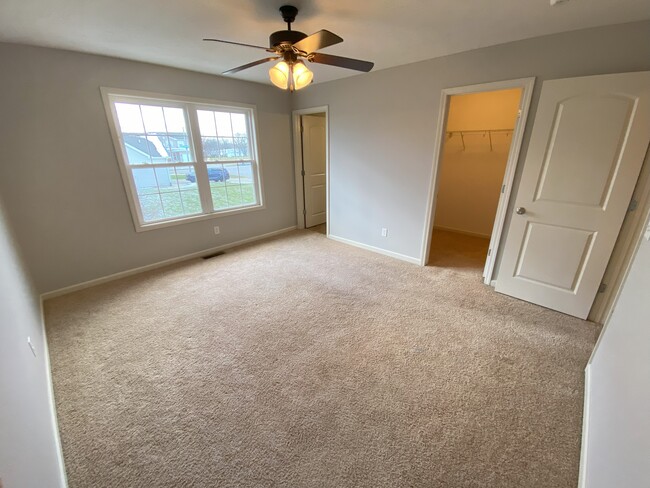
<point x="478" y="147"/>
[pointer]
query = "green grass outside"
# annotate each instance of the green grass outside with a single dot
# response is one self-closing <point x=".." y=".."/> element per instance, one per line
<point x="174" y="203"/>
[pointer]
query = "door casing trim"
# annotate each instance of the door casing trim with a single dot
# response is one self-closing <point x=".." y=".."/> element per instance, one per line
<point x="298" y="163"/>
<point x="527" y="85"/>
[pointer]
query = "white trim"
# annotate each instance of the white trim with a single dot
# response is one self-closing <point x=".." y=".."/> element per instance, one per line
<point x="459" y="231"/>
<point x="378" y="250"/>
<point x="154" y="96"/>
<point x="63" y="479"/>
<point x="624" y="274"/>
<point x="190" y="106"/>
<point x="159" y="264"/>
<point x="197" y="217"/>
<point x="527" y="85"/>
<point x="627" y="243"/>
<point x="297" y="158"/>
<point x="582" y="472"/>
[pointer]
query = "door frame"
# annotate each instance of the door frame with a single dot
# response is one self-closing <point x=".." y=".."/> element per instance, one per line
<point x="527" y="85"/>
<point x="629" y="239"/>
<point x="298" y="163"/>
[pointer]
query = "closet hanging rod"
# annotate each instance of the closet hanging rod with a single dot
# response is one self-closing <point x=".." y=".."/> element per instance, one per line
<point x="489" y="132"/>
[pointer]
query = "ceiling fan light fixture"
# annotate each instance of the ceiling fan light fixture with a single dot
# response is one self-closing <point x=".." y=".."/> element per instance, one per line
<point x="302" y="76"/>
<point x="290" y="76"/>
<point x="289" y="46"/>
<point x="279" y="75"/>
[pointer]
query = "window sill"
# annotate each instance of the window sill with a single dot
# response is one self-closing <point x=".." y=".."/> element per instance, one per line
<point x="194" y="218"/>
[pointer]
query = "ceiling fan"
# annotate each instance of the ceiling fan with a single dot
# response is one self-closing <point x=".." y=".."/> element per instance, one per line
<point x="291" y="47"/>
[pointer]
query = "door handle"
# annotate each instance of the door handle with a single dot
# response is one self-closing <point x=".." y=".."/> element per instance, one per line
<point x="520" y="210"/>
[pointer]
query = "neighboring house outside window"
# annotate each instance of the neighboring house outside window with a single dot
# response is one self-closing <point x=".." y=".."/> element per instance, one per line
<point x="184" y="159"/>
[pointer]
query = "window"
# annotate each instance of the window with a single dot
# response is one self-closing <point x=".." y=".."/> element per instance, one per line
<point x="184" y="159"/>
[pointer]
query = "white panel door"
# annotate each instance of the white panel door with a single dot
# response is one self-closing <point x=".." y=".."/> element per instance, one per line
<point x="585" y="154"/>
<point x="314" y="164"/>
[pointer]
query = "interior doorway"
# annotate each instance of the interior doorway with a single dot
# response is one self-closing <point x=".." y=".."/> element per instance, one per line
<point x="312" y="161"/>
<point x="481" y="129"/>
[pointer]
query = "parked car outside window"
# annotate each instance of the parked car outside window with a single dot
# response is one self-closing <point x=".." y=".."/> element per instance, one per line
<point x="214" y="174"/>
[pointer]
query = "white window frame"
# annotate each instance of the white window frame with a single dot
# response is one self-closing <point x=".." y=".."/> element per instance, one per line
<point x="190" y="105"/>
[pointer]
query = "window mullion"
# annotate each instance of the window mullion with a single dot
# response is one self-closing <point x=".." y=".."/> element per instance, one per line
<point x="200" y="167"/>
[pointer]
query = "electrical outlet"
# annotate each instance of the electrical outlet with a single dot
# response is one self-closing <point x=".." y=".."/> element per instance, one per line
<point x="216" y="230"/>
<point x="384" y="232"/>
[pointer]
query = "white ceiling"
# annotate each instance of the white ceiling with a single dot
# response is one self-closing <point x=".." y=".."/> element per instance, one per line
<point x="390" y="33"/>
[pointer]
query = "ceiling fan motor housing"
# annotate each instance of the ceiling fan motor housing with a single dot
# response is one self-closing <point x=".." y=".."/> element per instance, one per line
<point x="285" y="36"/>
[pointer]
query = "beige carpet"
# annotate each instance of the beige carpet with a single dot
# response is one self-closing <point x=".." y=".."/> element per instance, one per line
<point x="321" y="229"/>
<point x="303" y="362"/>
<point x="455" y="250"/>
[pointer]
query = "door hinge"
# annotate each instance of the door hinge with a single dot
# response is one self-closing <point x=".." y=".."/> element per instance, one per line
<point x="302" y="129"/>
<point x="302" y="172"/>
<point x="633" y="205"/>
<point x="503" y="188"/>
<point x="602" y="288"/>
<point x="304" y="211"/>
<point x="489" y="252"/>
<point x="518" y="113"/>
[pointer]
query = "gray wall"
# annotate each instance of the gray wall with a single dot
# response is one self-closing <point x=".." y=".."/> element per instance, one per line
<point x="618" y="424"/>
<point x="60" y="178"/>
<point x="29" y="455"/>
<point x="382" y="124"/>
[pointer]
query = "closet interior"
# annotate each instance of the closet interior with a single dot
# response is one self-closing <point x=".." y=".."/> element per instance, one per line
<point x="477" y="140"/>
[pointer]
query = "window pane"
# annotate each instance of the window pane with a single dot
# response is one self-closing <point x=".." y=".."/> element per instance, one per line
<point x="224" y="135"/>
<point x="206" y="123"/>
<point x="175" y="120"/>
<point x="154" y="134"/>
<point x="167" y="192"/>
<point x="224" y="128"/>
<point x="246" y="182"/>
<point x="210" y="148"/>
<point x="239" y="128"/>
<point x="178" y="148"/>
<point x="231" y="185"/>
<point x="139" y="150"/>
<point x="240" y="146"/>
<point x="151" y="206"/>
<point x="129" y="117"/>
<point x="226" y="148"/>
<point x="191" y="200"/>
<point x="153" y="119"/>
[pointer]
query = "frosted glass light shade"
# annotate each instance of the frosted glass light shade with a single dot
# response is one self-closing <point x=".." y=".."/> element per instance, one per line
<point x="301" y="76"/>
<point x="293" y="77"/>
<point x="279" y="75"/>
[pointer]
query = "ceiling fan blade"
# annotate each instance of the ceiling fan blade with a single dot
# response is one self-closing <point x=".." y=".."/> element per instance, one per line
<point x="316" y="41"/>
<point x="249" y="65"/>
<point x="341" y="62"/>
<point x="240" y="44"/>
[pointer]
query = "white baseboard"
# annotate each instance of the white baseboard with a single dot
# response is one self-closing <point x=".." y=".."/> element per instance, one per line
<point x="464" y="232"/>
<point x="160" y="264"/>
<point x="63" y="478"/>
<point x="378" y="250"/>
<point x="582" y="476"/>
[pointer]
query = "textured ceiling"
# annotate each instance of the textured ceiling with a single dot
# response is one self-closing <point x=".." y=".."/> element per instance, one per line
<point x="390" y="33"/>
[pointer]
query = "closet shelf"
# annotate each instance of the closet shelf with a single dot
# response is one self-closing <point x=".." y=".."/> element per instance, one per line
<point x="489" y="133"/>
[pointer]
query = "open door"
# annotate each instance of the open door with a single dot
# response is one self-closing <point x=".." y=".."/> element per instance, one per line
<point x="314" y="159"/>
<point x="586" y="151"/>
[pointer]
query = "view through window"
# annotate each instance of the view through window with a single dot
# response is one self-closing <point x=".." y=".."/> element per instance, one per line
<point x="184" y="160"/>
